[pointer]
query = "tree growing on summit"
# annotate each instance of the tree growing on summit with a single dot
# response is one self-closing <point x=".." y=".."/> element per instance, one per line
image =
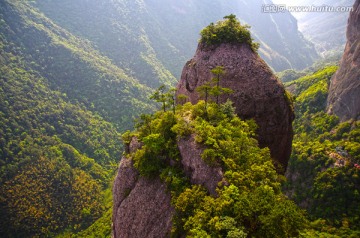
<point x="166" y="97"/>
<point x="228" y="30"/>
<point x="204" y="91"/>
<point x="216" y="91"/>
<point x="209" y="89"/>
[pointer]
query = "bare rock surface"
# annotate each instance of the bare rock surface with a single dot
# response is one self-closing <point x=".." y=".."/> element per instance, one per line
<point x="258" y="94"/>
<point x="344" y="92"/>
<point x="195" y="167"/>
<point x="142" y="207"/>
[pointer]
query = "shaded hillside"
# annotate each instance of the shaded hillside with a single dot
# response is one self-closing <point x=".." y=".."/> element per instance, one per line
<point x="71" y="65"/>
<point x="61" y="106"/>
<point x="55" y="157"/>
<point x="123" y="30"/>
<point x="152" y="38"/>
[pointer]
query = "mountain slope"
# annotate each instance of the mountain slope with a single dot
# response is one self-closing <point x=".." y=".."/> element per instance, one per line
<point x="71" y="65"/>
<point x="153" y="38"/>
<point x="61" y="106"/>
<point x="55" y="157"/>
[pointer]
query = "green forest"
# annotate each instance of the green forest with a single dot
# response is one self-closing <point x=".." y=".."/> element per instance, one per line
<point x="250" y="202"/>
<point x="62" y="106"/>
<point x="323" y="173"/>
<point x="56" y="158"/>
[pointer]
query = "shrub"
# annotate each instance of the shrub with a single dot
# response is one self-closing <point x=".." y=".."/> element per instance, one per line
<point x="228" y="30"/>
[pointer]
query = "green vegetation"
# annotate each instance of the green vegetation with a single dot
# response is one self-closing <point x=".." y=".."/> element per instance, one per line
<point x="208" y="90"/>
<point x="119" y="31"/>
<point x="71" y="65"/>
<point x="289" y="75"/>
<point x="101" y="228"/>
<point x="323" y="177"/>
<point x="62" y="105"/>
<point x="56" y="158"/>
<point x="227" y="31"/>
<point x="249" y="203"/>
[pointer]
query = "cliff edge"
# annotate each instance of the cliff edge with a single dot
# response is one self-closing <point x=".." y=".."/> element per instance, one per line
<point x="344" y="92"/>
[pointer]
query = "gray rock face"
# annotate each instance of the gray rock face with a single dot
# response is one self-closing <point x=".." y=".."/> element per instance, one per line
<point x="257" y="93"/>
<point x="195" y="167"/>
<point x="344" y="93"/>
<point x="142" y="207"/>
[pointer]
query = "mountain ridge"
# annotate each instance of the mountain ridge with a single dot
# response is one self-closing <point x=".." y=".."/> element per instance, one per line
<point x="171" y="36"/>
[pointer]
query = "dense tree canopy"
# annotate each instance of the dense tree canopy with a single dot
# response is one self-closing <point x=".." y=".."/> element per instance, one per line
<point x="250" y="203"/>
<point x="228" y="30"/>
<point x="323" y="176"/>
<point x="56" y="157"/>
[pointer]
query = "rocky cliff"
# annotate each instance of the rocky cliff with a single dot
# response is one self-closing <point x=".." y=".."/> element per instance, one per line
<point x="209" y="147"/>
<point x="142" y="206"/>
<point x="257" y="93"/>
<point x="344" y="92"/>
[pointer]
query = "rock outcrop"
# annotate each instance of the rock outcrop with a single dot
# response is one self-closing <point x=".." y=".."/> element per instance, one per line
<point x="195" y="167"/>
<point x="142" y="206"/>
<point x="344" y="92"/>
<point x="257" y="93"/>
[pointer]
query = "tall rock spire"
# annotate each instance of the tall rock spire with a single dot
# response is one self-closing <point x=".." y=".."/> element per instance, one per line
<point x="258" y="94"/>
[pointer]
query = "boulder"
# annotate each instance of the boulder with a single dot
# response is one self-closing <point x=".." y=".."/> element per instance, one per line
<point x="258" y="94"/>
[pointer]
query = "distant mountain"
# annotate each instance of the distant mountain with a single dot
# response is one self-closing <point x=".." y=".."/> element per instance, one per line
<point x="153" y="39"/>
<point x="325" y="29"/>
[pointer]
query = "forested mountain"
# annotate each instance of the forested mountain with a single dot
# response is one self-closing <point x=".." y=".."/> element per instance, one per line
<point x="62" y="105"/>
<point x="71" y="64"/>
<point x="55" y="157"/>
<point x="153" y="38"/>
